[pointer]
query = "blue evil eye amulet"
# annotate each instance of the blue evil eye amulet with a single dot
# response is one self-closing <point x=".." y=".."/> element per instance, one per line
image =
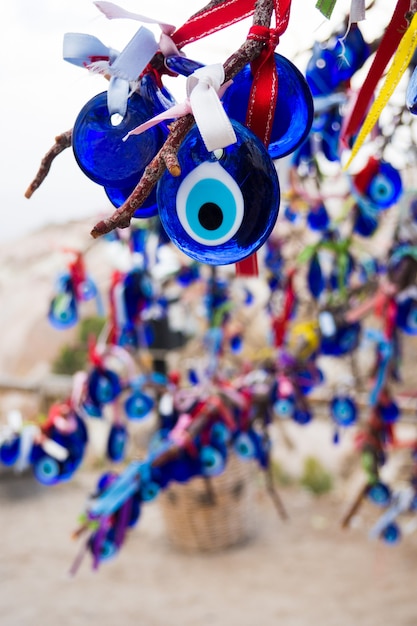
<point x="224" y="205"/>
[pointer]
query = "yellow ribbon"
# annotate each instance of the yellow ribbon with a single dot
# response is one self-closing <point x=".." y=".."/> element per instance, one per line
<point x="399" y="64"/>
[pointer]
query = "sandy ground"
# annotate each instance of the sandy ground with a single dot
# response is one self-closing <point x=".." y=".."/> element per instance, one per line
<point x="302" y="572"/>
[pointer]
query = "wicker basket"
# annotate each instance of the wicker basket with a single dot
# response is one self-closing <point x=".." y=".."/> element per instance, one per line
<point x="206" y="515"/>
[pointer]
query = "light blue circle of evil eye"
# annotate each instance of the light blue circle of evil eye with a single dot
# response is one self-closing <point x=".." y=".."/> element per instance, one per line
<point x="138" y="405"/>
<point x="212" y="461"/>
<point x="343" y="411"/>
<point x="210" y="204"/>
<point x="149" y="491"/>
<point x="63" y="312"/>
<point x="284" y="407"/>
<point x="244" y="446"/>
<point x="47" y="470"/>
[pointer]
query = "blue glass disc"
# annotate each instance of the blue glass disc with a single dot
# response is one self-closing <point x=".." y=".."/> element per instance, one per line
<point x="9" y="451"/>
<point x="315" y="278"/>
<point x="364" y="223"/>
<point x="344" y="340"/>
<point x="103" y="386"/>
<point x="343" y="410"/>
<point x="244" y="446"/>
<point x="47" y="470"/>
<point x="294" y="109"/>
<point x="212" y="461"/>
<point x="391" y="534"/>
<point x="99" y="148"/>
<point x="138" y="405"/>
<point x="407" y="316"/>
<point x="117" y="442"/>
<point x="390" y="413"/>
<point x="385" y="187"/>
<point x="302" y="417"/>
<point x="379" y="494"/>
<point x="318" y="218"/>
<point x="217" y="218"/>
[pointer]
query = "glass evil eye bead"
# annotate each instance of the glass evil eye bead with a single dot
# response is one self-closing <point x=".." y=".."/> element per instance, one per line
<point x="302" y="416"/>
<point x="159" y="99"/>
<point x="318" y="218"/>
<point x="98" y="144"/>
<point x="244" y="446"/>
<point x="355" y="52"/>
<point x="385" y="187"/>
<point x="284" y="407"/>
<point x="222" y="208"/>
<point x="9" y="451"/>
<point x="390" y="413"/>
<point x="343" y="410"/>
<point x="315" y="278"/>
<point x="379" y="494"/>
<point x="344" y="340"/>
<point x="103" y="386"/>
<point x="407" y="316"/>
<point x="365" y="222"/>
<point x="138" y="405"/>
<point x="47" y="470"/>
<point x="294" y="110"/>
<point x="63" y="311"/>
<point x="328" y="67"/>
<point x="117" y="442"/>
<point x="212" y="461"/>
<point x="391" y="533"/>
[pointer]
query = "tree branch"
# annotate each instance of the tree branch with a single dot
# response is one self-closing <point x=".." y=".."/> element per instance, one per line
<point x="62" y="142"/>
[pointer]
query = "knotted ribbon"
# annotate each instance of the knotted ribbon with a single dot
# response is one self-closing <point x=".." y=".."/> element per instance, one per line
<point x="88" y="51"/>
<point x="203" y="89"/>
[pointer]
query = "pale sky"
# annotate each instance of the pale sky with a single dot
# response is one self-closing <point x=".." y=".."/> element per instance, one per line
<point x="41" y="94"/>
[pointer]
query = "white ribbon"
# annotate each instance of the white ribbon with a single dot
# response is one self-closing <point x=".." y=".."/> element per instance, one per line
<point x="123" y="68"/>
<point x="113" y="11"/>
<point x="204" y="89"/>
<point x="357" y="11"/>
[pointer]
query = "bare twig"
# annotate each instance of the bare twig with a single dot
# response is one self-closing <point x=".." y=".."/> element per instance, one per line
<point x="62" y="142"/>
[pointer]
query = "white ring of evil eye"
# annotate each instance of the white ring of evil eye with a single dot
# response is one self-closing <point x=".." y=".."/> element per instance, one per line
<point x="210" y="180"/>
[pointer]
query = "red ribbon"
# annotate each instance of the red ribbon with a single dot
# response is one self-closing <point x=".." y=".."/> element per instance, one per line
<point x="263" y="95"/>
<point x="279" y="324"/>
<point x="264" y="91"/>
<point x="212" y="20"/>
<point x="363" y="178"/>
<point x="387" y="47"/>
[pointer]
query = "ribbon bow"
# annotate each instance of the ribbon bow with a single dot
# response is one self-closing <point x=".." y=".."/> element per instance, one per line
<point x="204" y="88"/>
<point x="88" y="51"/>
